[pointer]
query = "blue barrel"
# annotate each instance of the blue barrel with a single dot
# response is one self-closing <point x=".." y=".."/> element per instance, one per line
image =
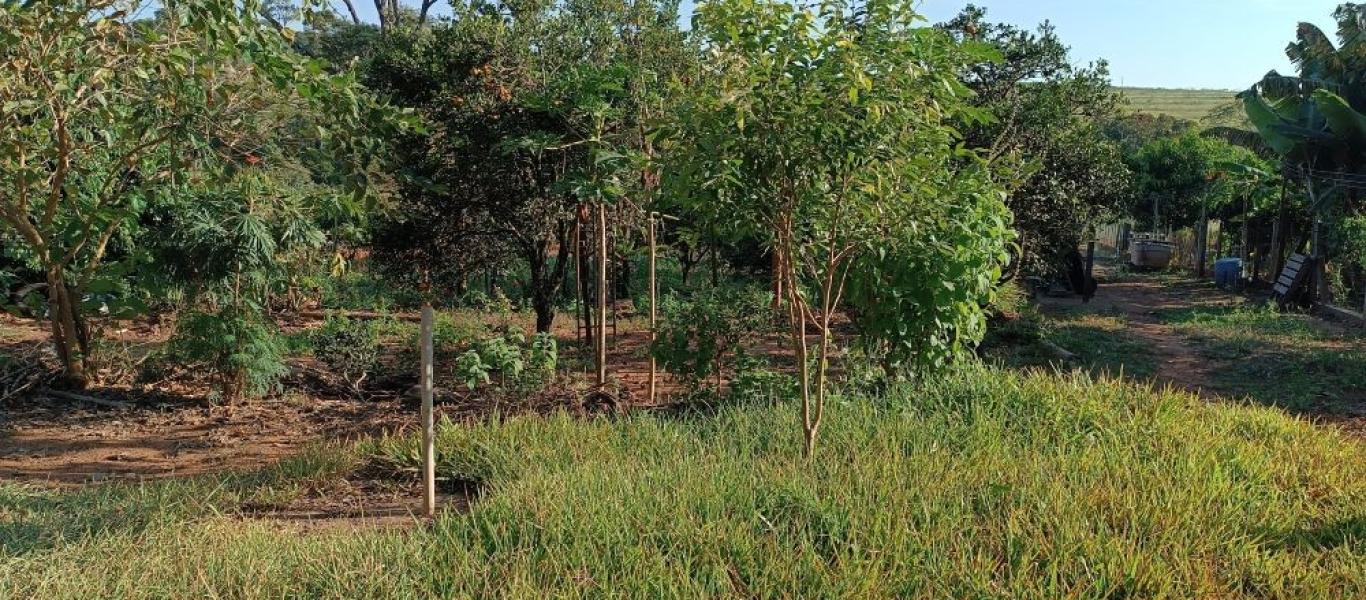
<point x="1227" y="271"/>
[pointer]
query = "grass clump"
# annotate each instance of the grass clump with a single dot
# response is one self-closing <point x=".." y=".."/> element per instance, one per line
<point x="987" y="484"/>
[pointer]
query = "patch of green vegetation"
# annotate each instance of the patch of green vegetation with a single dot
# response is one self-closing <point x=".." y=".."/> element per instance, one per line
<point x="1285" y="359"/>
<point x="987" y="484"/>
<point x="1099" y="342"/>
<point x="1213" y="107"/>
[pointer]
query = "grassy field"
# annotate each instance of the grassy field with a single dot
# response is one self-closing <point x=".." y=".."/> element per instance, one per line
<point x="1194" y="105"/>
<point x="988" y="484"/>
<point x="1286" y="359"/>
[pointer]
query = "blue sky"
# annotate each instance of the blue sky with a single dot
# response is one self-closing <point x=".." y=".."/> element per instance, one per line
<point x="1220" y="44"/>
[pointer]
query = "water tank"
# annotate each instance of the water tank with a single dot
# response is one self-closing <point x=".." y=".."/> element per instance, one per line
<point x="1227" y="271"/>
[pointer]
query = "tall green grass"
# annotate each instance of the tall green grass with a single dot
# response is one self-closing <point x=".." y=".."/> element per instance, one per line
<point x="988" y="484"/>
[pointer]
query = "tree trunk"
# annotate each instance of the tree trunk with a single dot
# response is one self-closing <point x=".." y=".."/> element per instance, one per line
<point x="685" y="264"/>
<point x="623" y="279"/>
<point x="583" y="263"/>
<point x="351" y="8"/>
<point x="1202" y="244"/>
<point x="777" y="280"/>
<point x="1277" y="249"/>
<point x="545" y="280"/>
<point x="68" y="331"/>
<point x="715" y="267"/>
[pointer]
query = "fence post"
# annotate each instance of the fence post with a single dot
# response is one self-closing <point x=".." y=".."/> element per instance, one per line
<point x="1202" y="243"/>
<point x="428" y="424"/>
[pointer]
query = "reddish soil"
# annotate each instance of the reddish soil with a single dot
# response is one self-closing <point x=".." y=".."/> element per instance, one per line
<point x="56" y="439"/>
<point x="172" y="430"/>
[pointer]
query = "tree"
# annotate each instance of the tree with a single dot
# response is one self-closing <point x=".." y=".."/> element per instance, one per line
<point x="830" y="128"/>
<point x="102" y="113"/>
<point x="1316" y="121"/>
<point x="1049" y="117"/>
<point x="1179" y="182"/>
<point x="531" y="111"/>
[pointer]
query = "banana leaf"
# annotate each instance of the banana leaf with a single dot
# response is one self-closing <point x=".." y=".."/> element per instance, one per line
<point x="1346" y="123"/>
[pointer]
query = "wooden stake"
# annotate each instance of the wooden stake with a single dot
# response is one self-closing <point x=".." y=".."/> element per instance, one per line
<point x="1244" y="250"/>
<point x="1203" y="236"/>
<point x="579" y="331"/>
<point x="602" y="296"/>
<point x="428" y="425"/>
<point x="654" y="302"/>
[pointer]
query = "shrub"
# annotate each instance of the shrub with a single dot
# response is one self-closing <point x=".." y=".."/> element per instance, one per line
<point x="471" y="370"/>
<point x="523" y="367"/>
<point x="755" y="381"/>
<point x="238" y="348"/>
<point x="504" y="355"/>
<point x="702" y="335"/>
<point x="920" y="296"/>
<point x="543" y="355"/>
<point x="348" y="347"/>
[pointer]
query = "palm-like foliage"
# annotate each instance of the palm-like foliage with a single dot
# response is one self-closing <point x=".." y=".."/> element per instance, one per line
<point x="1315" y="119"/>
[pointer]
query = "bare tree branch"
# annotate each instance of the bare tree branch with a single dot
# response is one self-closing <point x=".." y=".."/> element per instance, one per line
<point x="351" y="8"/>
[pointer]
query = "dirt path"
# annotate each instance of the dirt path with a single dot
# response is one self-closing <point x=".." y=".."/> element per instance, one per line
<point x="1143" y="302"/>
<point x="1140" y="302"/>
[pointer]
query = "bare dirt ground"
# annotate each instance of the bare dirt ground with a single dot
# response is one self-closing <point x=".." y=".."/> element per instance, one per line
<point x="137" y="433"/>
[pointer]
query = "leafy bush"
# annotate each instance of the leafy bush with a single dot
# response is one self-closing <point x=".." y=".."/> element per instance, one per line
<point x="239" y="349"/>
<point x="920" y="296"/>
<point x="471" y="370"/>
<point x="704" y="334"/>
<point x="543" y="355"/>
<point x="348" y="347"/>
<point x="503" y="354"/>
<point x="755" y="381"/>
<point x="523" y="367"/>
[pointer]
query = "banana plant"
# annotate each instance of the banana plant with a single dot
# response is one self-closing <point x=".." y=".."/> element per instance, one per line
<point x="1315" y="119"/>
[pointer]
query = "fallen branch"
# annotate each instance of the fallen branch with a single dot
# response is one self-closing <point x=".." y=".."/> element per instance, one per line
<point x="359" y="314"/>
<point x="89" y="399"/>
<point x="1057" y="351"/>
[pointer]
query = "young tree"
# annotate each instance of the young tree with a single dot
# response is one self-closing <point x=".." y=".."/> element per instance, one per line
<point x="1177" y="179"/>
<point x="831" y="128"/>
<point x="99" y="113"/>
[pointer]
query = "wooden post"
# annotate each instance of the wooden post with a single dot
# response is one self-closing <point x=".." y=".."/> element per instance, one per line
<point x="602" y="296"/>
<point x="1090" y="257"/>
<point x="654" y="302"/>
<point x="1202" y="244"/>
<point x="1243" y="253"/>
<point x="579" y="331"/>
<point x="428" y="424"/>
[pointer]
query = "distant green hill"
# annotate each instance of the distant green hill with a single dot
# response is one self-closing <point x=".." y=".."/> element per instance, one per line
<point x="1210" y="107"/>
